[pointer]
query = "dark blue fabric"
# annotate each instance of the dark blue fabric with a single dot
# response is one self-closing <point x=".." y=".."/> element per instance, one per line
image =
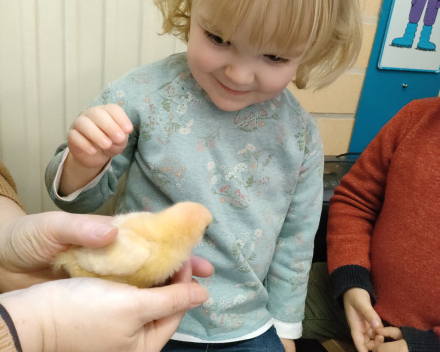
<point x="267" y="342"/>
<point x="348" y="276"/>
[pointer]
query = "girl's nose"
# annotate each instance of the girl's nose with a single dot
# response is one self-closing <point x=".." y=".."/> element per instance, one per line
<point x="239" y="72"/>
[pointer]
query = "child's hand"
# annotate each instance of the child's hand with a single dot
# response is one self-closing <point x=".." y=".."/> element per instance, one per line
<point x="289" y="345"/>
<point x="99" y="134"/>
<point x="399" y="345"/>
<point x="362" y="319"/>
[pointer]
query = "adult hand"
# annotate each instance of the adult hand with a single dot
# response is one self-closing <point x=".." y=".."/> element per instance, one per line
<point x="399" y="345"/>
<point x="87" y="314"/>
<point x="289" y="345"/>
<point x="29" y="243"/>
<point x="362" y="319"/>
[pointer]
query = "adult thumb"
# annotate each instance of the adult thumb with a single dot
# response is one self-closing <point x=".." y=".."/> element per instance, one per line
<point x="83" y="230"/>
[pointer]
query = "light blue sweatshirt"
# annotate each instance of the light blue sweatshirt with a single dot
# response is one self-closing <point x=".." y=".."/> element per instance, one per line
<point x="257" y="170"/>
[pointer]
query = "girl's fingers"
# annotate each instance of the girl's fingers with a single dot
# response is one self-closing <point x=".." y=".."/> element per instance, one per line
<point x="184" y="274"/>
<point x="78" y="143"/>
<point x="120" y="117"/>
<point x="106" y="123"/>
<point x="90" y="130"/>
<point x="104" y="126"/>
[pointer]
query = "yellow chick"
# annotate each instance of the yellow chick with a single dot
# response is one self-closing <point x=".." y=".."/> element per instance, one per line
<point x="148" y="250"/>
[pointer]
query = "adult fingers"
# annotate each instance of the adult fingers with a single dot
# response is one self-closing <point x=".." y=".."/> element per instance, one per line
<point x="184" y="275"/>
<point x="160" y="302"/>
<point x="201" y="267"/>
<point x="37" y="239"/>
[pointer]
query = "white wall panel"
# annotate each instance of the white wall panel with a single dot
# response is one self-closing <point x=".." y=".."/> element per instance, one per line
<point x="12" y="104"/>
<point x="33" y="187"/>
<point x="51" y="79"/>
<point x="154" y="46"/>
<point x="84" y="48"/>
<point x="55" y="57"/>
<point x="122" y="37"/>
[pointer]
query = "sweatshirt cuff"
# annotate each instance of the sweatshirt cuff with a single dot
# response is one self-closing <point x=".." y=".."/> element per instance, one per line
<point x="349" y="276"/>
<point x="421" y="341"/>
<point x="288" y="330"/>
<point x="74" y="195"/>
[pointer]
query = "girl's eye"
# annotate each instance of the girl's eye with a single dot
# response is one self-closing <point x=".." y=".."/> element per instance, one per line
<point x="277" y="59"/>
<point x="215" y="38"/>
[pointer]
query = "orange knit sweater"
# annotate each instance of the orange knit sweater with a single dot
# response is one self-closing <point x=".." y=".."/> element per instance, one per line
<point x="384" y="224"/>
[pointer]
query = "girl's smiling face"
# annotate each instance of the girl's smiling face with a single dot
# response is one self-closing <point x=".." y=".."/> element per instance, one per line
<point x="236" y="74"/>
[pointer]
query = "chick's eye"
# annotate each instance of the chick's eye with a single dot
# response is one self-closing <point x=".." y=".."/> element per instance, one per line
<point x="277" y="59"/>
<point x="215" y="38"/>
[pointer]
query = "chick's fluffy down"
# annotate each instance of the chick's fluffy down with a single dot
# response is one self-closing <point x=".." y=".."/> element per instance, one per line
<point x="148" y="250"/>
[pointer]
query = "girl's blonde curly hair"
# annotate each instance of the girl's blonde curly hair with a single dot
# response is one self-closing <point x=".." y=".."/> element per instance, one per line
<point x="330" y="30"/>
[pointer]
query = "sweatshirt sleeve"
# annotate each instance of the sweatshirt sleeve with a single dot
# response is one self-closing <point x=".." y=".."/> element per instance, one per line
<point x="289" y="270"/>
<point x="356" y="204"/>
<point x="90" y="200"/>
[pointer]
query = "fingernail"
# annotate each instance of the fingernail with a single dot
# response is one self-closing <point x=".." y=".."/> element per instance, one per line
<point x="101" y="230"/>
<point x="375" y="323"/>
<point x="199" y="295"/>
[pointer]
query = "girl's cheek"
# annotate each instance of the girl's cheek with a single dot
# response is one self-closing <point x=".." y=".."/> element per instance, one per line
<point x="275" y="83"/>
<point x="204" y="59"/>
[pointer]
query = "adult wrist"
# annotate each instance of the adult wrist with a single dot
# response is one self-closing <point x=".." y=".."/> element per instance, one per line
<point x="25" y="320"/>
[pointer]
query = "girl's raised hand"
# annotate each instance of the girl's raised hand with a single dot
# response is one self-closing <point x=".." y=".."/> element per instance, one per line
<point x="99" y="134"/>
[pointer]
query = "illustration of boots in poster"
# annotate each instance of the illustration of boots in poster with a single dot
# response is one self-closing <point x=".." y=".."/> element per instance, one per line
<point x="419" y="35"/>
<point x="414" y="17"/>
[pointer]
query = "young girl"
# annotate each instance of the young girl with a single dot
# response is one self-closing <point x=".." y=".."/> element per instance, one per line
<point x="216" y="125"/>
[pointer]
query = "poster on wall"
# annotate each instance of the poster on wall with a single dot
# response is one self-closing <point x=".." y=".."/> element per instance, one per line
<point x="412" y="38"/>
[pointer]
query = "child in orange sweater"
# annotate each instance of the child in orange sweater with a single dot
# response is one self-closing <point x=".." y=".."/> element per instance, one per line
<point x="383" y="240"/>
